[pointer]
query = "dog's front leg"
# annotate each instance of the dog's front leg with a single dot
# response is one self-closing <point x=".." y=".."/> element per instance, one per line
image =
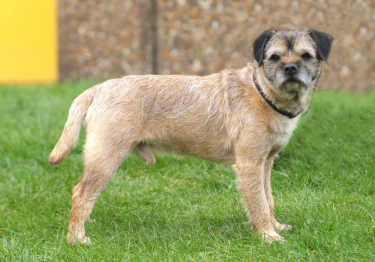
<point x="268" y="190"/>
<point x="250" y="176"/>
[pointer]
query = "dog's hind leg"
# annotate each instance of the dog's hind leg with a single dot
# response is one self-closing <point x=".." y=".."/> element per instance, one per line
<point x="267" y="187"/>
<point x="104" y="152"/>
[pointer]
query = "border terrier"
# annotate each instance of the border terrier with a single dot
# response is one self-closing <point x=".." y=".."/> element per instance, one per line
<point x="242" y="117"/>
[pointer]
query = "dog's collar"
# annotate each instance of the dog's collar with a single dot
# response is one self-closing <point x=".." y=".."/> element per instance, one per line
<point x="269" y="102"/>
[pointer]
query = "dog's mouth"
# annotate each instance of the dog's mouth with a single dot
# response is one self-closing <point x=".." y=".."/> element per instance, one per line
<point x="293" y="85"/>
<point x="292" y="79"/>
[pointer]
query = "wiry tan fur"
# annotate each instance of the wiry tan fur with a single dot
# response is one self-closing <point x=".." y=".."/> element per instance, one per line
<point x="220" y="117"/>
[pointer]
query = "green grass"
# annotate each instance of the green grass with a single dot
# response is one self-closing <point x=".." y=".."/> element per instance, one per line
<point x="188" y="209"/>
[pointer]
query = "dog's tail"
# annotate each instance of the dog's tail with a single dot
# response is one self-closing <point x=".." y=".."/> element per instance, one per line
<point x="72" y="127"/>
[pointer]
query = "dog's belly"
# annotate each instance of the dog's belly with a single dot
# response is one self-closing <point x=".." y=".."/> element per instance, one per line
<point x="218" y="153"/>
<point x="178" y="138"/>
<point x="218" y="156"/>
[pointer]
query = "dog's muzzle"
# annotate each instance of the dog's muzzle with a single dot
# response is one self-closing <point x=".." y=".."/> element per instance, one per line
<point x="292" y="78"/>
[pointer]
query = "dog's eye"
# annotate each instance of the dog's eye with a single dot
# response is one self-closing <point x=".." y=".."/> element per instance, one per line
<point x="306" y="56"/>
<point x="275" y="58"/>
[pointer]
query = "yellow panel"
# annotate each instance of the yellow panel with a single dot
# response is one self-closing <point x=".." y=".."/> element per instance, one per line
<point x="28" y="41"/>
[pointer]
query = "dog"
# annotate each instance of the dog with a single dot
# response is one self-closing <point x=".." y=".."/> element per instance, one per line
<point x="242" y="117"/>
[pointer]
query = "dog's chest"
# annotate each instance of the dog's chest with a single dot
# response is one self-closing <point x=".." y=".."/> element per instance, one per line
<point x="282" y="133"/>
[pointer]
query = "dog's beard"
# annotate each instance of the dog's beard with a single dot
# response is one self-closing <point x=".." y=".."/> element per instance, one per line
<point x="292" y="84"/>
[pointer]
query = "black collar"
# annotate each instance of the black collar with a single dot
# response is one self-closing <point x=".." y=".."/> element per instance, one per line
<point x="279" y="110"/>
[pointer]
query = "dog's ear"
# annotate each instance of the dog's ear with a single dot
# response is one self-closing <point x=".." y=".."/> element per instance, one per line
<point x="323" y="43"/>
<point x="260" y="45"/>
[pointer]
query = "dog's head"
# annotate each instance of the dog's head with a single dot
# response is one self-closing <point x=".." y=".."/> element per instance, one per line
<point x="291" y="59"/>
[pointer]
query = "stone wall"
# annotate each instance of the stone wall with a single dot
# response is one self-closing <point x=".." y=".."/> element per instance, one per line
<point x="122" y="37"/>
<point x="103" y="39"/>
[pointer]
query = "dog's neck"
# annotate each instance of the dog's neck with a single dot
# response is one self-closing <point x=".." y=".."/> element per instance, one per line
<point x="271" y="104"/>
<point x="287" y="104"/>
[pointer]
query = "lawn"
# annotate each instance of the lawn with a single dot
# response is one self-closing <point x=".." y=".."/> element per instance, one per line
<point x="188" y="209"/>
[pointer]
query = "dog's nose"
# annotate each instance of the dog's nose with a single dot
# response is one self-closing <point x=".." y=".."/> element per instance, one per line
<point x="290" y="69"/>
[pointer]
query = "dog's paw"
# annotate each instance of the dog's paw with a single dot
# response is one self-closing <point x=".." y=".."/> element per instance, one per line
<point x="271" y="237"/>
<point x="282" y="227"/>
<point x="83" y="240"/>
